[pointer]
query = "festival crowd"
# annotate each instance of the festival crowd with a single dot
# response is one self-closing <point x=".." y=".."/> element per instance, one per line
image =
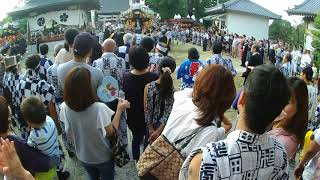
<point x="100" y="88"/>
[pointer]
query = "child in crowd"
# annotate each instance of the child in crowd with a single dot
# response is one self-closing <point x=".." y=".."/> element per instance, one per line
<point x="45" y="62"/>
<point x="44" y="134"/>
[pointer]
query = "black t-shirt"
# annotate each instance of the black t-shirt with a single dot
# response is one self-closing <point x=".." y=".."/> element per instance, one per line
<point x="119" y="39"/>
<point x="245" y="51"/>
<point x="272" y="53"/>
<point x="261" y="52"/>
<point x="133" y="86"/>
<point x="255" y="60"/>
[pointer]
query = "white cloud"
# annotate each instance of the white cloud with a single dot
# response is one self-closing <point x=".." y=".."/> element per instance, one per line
<point x="280" y="6"/>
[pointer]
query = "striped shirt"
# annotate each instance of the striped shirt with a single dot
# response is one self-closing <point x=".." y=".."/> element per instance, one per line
<point x="45" y="139"/>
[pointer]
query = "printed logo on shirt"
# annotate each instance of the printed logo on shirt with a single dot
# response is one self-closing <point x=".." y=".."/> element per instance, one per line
<point x="194" y="66"/>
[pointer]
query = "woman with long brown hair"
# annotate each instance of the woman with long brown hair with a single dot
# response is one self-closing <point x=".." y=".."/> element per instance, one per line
<point x="291" y="125"/>
<point x="202" y="107"/>
<point x="81" y="112"/>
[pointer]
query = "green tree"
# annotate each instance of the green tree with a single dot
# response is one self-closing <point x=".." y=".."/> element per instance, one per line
<point x="298" y="35"/>
<point x="168" y="8"/>
<point x="197" y="7"/>
<point x="284" y="31"/>
<point x="281" y="30"/>
<point x="7" y="19"/>
<point x="316" y="40"/>
<point x="22" y="25"/>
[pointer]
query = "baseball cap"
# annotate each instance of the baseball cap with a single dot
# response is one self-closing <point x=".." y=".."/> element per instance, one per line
<point x="83" y="44"/>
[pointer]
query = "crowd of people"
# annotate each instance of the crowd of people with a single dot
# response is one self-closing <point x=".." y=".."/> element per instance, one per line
<point x="99" y="89"/>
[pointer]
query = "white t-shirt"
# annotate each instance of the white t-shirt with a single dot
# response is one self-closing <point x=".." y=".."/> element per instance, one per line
<point x="87" y="129"/>
<point x="296" y="55"/>
<point x="181" y="123"/>
<point x="235" y="42"/>
<point x="64" y="56"/>
<point x="305" y="60"/>
<point x="311" y="166"/>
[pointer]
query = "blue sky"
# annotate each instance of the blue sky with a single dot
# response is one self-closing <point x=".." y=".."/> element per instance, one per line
<point x="277" y="6"/>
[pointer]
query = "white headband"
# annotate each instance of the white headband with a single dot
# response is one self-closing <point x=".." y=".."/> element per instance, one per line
<point x="166" y="69"/>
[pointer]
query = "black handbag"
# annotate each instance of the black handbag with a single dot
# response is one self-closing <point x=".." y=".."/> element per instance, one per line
<point x="119" y="153"/>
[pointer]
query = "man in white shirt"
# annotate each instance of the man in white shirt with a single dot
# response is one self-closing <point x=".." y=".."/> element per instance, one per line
<point x="305" y="59"/>
<point x="235" y="44"/>
<point x="296" y="59"/>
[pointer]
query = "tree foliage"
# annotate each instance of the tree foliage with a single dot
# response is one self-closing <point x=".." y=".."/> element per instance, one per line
<point x="284" y="31"/>
<point x="19" y="24"/>
<point x="316" y="39"/>
<point x="197" y="7"/>
<point x="280" y="30"/>
<point x="168" y="8"/>
<point x="22" y="25"/>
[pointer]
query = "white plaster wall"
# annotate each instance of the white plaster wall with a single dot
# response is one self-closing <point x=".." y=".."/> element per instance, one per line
<point x="248" y="24"/>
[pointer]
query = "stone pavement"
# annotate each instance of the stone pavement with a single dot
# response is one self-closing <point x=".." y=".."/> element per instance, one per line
<point x="128" y="172"/>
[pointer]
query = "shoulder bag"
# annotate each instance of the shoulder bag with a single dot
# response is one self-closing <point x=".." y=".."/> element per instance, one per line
<point x="162" y="159"/>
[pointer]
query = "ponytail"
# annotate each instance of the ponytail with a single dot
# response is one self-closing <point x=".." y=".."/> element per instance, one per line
<point x="166" y="67"/>
<point x="66" y="46"/>
<point x="166" y="85"/>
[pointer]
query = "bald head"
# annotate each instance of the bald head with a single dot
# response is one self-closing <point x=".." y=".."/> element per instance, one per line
<point x="109" y="45"/>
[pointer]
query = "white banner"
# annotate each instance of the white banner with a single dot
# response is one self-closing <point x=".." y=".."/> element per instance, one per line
<point x="64" y="17"/>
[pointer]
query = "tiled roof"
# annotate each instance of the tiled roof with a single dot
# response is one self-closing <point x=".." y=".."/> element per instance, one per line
<point x="113" y="6"/>
<point x="42" y="6"/>
<point x="308" y="7"/>
<point x="245" y="6"/>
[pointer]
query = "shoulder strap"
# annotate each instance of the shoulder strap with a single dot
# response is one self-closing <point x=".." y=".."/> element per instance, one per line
<point x="188" y="138"/>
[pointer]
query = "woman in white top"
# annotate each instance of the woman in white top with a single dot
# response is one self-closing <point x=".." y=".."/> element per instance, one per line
<point x="89" y="123"/>
<point x="204" y="105"/>
<point x="66" y="54"/>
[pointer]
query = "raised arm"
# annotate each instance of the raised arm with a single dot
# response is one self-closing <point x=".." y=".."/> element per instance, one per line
<point x="194" y="167"/>
<point x="122" y="106"/>
<point x="313" y="149"/>
<point x="10" y="164"/>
